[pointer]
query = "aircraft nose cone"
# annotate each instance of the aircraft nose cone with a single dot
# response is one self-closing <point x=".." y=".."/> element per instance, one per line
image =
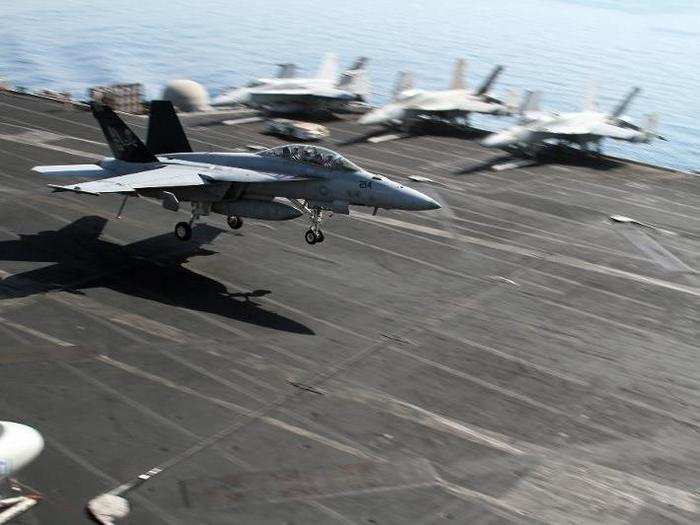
<point x="417" y="201"/>
<point x="19" y="446"/>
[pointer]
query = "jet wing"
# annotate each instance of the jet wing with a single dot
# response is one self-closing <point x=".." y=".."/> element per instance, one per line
<point x="455" y="104"/>
<point x="171" y="176"/>
<point x="615" y="132"/>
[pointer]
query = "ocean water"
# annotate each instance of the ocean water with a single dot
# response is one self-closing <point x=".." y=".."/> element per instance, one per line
<point x="557" y="46"/>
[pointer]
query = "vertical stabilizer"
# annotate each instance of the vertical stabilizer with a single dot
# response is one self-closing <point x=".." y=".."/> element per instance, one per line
<point x="490" y="81"/>
<point x="165" y="133"/>
<point x="328" y="70"/>
<point x="355" y="79"/>
<point x="622" y="106"/>
<point x="287" y="70"/>
<point x="590" y="102"/>
<point x="457" y="80"/>
<point x="404" y="82"/>
<point x="123" y="142"/>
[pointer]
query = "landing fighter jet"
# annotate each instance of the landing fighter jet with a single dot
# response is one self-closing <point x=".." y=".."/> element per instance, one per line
<point x="236" y="185"/>
<point x="536" y="128"/>
<point x="452" y="106"/>
<point x="287" y="93"/>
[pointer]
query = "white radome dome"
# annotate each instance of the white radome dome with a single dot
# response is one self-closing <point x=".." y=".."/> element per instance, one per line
<point x="186" y="95"/>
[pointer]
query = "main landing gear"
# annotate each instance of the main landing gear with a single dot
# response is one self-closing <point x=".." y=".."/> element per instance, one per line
<point x="183" y="230"/>
<point x="234" y="222"/>
<point x="314" y="233"/>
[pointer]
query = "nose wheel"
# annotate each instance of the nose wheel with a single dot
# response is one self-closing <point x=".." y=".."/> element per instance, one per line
<point x="234" y="222"/>
<point x="183" y="231"/>
<point x="312" y="237"/>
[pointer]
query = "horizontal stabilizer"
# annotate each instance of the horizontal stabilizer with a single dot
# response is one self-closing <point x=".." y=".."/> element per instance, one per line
<point x="74" y="189"/>
<point x="71" y="170"/>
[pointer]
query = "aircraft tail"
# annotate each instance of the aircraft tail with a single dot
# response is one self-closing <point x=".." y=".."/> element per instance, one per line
<point x="404" y="82"/>
<point x="624" y="104"/>
<point x="590" y="102"/>
<point x="355" y="79"/>
<point x="165" y="133"/>
<point x="286" y="70"/>
<point x="650" y="127"/>
<point x="490" y="81"/>
<point x="457" y="80"/>
<point x="123" y="142"/>
<point x="328" y="69"/>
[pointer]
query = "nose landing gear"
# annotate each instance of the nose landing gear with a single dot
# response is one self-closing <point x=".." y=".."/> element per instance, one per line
<point x="234" y="222"/>
<point x="314" y="233"/>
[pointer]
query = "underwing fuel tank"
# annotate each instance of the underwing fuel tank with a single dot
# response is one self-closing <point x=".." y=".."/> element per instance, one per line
<point x="273" y="210"/>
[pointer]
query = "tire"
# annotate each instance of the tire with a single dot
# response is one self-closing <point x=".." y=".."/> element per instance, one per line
<point x="234" y="223"/>
<point x="183" y="231"/>
<point x="310" y="237"/>
<point x="320" y="237"/>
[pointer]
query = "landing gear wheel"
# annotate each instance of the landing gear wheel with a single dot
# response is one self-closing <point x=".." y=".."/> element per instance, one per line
<point x="311" y="237"/>
<point x="234" y="222"/>
<point x="183" y="231"/>
<point x="319" y="236"/>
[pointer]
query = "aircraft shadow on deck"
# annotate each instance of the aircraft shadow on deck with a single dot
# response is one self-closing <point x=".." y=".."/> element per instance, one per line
<point x="552" y="155"/>
<point x="422" y="130"/>
<point x="150" y="268"/>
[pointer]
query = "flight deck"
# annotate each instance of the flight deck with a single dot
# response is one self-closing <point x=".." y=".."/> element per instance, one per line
<point x="516" y="356"/>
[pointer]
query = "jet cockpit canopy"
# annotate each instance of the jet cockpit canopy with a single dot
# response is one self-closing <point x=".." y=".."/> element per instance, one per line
<point x="312" y="155"/>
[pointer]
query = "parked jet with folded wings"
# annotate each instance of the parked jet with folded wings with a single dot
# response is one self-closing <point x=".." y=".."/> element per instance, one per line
<point x="585" y="128"/>
<point x="287" y="93"/>
<point x="274" y="184"/>
<point x="453" y="106"/>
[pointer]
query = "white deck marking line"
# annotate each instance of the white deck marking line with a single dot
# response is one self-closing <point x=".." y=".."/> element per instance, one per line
<point x="225" y="382"/>
<point x="35" y="333"/>
<point x="524" y="362"/>
<point x="544" y="182"/>
<point x="108" y="480"/>
<point x="241" y="410"/>
<point x="53" y="147"/>
<point x="222" y="381"/>
<point x="331" y="512"/>
<point x="653" y="249"/>
<point x="58" y="136"/>
<point x="510" y="393"/>
<point x="13" y="335"/>
<point x="560" y="259"/>
<point x="405" y="410"/>
<point x="504" y="509"/>
<point x="139" y="407"/>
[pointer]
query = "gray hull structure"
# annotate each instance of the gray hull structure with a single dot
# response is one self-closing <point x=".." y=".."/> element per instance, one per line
<point x="514" y="357"/>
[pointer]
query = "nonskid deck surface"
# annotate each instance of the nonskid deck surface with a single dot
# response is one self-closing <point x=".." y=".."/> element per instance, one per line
<point x="512" y="357"/>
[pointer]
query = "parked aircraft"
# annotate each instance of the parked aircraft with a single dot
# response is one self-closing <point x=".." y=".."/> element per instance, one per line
<point x="312" y="179"/>
<point x="452" y="106"/>
<point x="536" y="128"/>
<point x="287" y="93"/>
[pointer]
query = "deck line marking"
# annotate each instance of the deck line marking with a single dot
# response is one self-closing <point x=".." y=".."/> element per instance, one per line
<point x="139" y="407"/>
<point x="509" y="393"/>
<point x="35" y="333"/>
<point x="242" y="410"/>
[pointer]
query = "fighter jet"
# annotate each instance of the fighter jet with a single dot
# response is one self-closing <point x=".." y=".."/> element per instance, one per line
<point x="311" y="179"/>
<point x="536" y="128"/>
<point x="327" y="92"/>
<point x="452" y="106"/>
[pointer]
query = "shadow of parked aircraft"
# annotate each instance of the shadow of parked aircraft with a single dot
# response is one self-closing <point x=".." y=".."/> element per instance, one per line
<point x="151" y="268"/>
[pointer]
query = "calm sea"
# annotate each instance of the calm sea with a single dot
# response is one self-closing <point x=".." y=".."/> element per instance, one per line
<point x="557" y="46"/>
